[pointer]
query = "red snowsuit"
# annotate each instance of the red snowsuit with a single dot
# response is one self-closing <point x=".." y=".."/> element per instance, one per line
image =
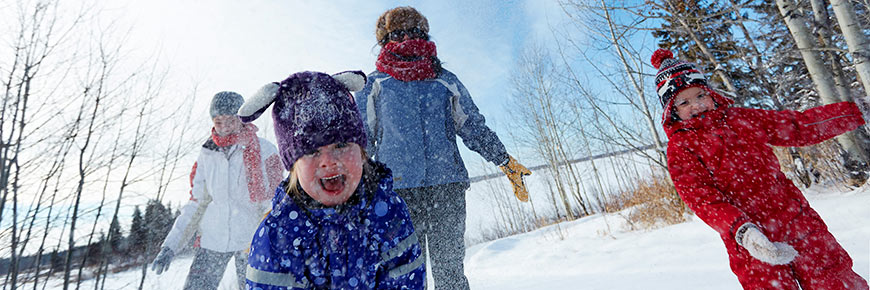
<point x="724" y="169"/>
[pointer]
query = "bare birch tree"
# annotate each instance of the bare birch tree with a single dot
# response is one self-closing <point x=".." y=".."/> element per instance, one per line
<point x="858" y="47"/>
<point x="855" y="158"/>
<point x="546" y="119"/>
<point x="31" y="58"/>
<point x="596" y="17"/>
<point x="74" y="107"/>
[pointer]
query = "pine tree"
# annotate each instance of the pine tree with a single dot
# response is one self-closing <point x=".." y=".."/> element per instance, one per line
<point x="115" y="236"/>
<point x="95" y="250"/>
<point x="56" y="261"/>
<point x="138" y="234"/>
<point x="689" y="25"/>
<point x="781" y="58"/>
<point x="158" y="222"/>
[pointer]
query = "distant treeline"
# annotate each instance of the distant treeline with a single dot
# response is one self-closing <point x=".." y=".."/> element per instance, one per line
<point x="141" y="242"/>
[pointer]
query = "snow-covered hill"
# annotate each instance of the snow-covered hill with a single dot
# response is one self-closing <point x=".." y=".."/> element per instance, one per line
<point x="597" y="252"/>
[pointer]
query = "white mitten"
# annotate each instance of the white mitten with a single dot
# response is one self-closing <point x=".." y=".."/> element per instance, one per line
<point x="754" y="241"/>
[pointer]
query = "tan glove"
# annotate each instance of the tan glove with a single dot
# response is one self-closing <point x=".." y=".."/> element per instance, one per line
<point x="515" y="171"/>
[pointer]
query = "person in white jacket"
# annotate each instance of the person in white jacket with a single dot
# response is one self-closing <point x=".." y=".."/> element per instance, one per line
<point x="232" y="183"/>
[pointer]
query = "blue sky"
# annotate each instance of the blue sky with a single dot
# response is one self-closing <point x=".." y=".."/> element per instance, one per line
<point x="241" y="45"/>
<point x="220" y="45"/>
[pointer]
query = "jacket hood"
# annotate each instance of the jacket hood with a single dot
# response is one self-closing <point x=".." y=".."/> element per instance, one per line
<point x="672" y="124"/>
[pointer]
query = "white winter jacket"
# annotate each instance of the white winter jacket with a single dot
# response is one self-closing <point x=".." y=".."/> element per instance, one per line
<point x="220" y="207"/>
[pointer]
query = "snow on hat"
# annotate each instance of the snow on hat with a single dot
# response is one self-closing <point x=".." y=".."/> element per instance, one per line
<point x="674" y="75"/>
<point x="311" y="109"/>
<point x="225" y="103"/>
<point x="399" y="18"/>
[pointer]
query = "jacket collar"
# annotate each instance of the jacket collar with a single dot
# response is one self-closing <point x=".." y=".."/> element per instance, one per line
<point x="376" y="177"/>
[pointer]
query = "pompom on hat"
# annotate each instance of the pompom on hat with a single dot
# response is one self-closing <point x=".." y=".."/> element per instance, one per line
<point x="311" y="109"/>
<point x="674" y="75"/>
<point x="399" y="18"/>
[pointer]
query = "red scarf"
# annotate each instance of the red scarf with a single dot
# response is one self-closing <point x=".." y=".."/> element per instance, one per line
<point x="410" y="60"/>
<point x="247" y="138"/>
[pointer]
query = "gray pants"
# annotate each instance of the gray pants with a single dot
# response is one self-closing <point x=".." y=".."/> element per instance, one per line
<point x="208" y="268"/>
<point x="438" y="214"/>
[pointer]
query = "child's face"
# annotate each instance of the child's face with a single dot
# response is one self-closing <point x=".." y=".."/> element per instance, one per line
<point x="331" y="173"/>
<point x="692" y="102"/>
<point x="227" y="124"/>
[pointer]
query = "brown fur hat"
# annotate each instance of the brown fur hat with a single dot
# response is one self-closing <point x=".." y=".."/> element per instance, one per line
<point x="397" y="19"/>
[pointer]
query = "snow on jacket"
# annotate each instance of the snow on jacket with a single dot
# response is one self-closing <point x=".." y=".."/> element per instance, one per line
<point x="412" y="127"/>
<point x="366" y="243"/>
<point x="725" y="170"/>
<point x="220" y="207"/>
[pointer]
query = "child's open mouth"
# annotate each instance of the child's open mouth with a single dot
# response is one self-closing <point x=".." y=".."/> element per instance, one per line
<point x="333" y="185"/>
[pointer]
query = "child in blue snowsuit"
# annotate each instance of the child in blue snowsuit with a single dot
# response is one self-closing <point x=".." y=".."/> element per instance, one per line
<point x="336" y="222"/>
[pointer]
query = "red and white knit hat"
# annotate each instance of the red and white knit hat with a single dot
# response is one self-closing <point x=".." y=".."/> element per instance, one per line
<point x="674" y="75"/>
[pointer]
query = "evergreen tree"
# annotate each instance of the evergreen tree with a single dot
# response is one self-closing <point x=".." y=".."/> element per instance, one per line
<point x="138" y="234"/>
<point x="95" y="250"/>
<point x="784" y="64"/>
<point x="687" y="25"/>
<point x="115" y="236"/>
<point x="56" y="261"/>
<point x="158" y="222"/>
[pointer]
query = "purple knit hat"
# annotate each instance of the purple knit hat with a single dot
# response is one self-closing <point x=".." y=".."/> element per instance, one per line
<point x="312" y="109"/>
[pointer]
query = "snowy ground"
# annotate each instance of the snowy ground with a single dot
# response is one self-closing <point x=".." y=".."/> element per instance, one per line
<point x="598" y="253"/>
<point x="683" y="256"/>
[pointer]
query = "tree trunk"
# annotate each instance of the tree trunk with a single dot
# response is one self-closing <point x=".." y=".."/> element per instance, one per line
<point x="820" y="15"/>
<point x="690" y="31"/>
<point x="858" y="43"/>
<point x="855" y="157"/>
<point x="15" y="231"/>
<point x="803" y="37"/>
<point x="638" y="86"/>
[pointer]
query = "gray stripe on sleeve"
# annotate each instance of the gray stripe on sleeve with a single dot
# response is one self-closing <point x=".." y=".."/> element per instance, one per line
<point x="459" y="115"/>
<point x="274" y="279"/>
<point x="829" y="119"/>
<point x="407" y="268"/>
<point x="400" y="248"/>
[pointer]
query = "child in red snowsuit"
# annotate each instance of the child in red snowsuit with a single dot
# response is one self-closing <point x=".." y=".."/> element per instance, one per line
<point x="724" y="169"/>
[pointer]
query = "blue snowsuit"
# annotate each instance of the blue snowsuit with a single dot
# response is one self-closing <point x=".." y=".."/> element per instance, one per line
<point x="366" y="243"/>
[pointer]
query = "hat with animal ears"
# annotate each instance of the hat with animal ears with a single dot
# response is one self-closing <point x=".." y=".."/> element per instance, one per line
<point x="311" y="109"/>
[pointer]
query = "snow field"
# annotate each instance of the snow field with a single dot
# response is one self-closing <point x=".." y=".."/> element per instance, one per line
<point x="598" y="252"/>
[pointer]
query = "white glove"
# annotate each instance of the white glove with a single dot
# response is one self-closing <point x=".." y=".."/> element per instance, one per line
<point x="161" y="262"/>
<point x="754" y="241"/>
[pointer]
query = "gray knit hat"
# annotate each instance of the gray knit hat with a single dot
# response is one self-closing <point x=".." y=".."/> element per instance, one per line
<point x="225" y="103"/>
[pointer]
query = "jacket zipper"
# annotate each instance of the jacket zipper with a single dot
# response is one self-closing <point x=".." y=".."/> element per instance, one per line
<point x="229" y="204"/>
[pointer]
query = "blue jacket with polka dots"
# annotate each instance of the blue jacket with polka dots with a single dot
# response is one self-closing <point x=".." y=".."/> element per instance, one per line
<point x="366" y="243"/>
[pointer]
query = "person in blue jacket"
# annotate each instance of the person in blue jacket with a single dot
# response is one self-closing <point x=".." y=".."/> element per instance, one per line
<point x="336" y="222"/>
<point x="414" y="109"/>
